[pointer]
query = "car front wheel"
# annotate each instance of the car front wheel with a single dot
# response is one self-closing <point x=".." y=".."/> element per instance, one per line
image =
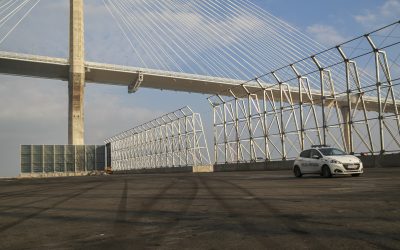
<point x="326" y="172"/>
<point x="297" y="172"/>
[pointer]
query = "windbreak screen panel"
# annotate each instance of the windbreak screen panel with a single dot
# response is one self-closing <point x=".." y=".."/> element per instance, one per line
<point x="61" y="158"/>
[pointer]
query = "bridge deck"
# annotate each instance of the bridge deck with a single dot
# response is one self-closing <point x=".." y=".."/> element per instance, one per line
<point x="246" y="210"/>
<point x="58" y="68"/>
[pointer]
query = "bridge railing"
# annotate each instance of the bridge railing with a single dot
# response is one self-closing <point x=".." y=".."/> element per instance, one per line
<point x="35" y="58"/>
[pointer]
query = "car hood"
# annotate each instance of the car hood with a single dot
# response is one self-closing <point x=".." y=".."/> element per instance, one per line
<point x="346" y="159"/>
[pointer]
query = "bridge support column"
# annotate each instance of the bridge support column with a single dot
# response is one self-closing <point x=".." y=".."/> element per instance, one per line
<point x="76" y="74"/>
<point x="348" y="137"/>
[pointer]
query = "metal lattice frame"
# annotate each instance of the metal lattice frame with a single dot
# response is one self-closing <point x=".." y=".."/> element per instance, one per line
<point x="173" y="140"/>
<point x="339" y="104"/>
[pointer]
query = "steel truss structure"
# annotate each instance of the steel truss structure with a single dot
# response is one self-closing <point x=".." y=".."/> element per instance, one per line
<point x="173" y="140"/>
<point x="327" y="98"/>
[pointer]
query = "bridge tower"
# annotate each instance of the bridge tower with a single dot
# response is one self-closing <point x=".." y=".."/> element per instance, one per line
<point x="76" y="83"/>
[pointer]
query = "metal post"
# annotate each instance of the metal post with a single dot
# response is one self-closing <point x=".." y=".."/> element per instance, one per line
<point x="194" y="141"/>
<point x="300" y="88"/>
<point x="378" y="91"/>
<point x="43" y="159"/>
<point x="346" y="110"/>
<point x="265" y="125"/>
<point x="282" y="123"/>
<point x="236" y="123"/>
<point x="225" y="133"/>
<point x="31" y="160"/>
<point x="95" y="158"/>
<point x="54" y="158"/>
<point x="323" y="98"/>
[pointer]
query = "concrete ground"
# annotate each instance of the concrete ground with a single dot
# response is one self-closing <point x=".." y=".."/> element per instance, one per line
<point x="234" y="210"/>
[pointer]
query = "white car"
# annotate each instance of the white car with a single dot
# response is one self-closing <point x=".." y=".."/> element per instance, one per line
<point x="327" y="161"/>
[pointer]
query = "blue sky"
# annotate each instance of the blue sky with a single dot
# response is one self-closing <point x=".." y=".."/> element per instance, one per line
<point x="34" y="111"/>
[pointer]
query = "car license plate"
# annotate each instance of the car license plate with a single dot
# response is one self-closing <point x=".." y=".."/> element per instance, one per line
<point x="352" y="166"/>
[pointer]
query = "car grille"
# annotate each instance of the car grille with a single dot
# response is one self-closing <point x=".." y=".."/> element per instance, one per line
<point x="351" y="167"/>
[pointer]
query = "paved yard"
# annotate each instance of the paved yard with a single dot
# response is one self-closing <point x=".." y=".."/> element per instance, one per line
<point x="236" y="210"/>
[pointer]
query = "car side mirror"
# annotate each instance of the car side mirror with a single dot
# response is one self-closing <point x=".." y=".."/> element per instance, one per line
<point x="315" y="157"/>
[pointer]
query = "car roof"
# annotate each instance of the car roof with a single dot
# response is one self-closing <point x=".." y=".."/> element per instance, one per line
<point x="318" y="148"/>
<point x="321" y="146"/>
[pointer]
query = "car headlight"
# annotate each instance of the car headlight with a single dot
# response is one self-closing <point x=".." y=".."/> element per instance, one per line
<point x="335" y="162"/>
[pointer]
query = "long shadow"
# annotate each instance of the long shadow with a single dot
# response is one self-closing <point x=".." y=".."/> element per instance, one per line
<point x="121" y="213"/>
<point x="32" y="215"/>
<point x="291" y="224"/>
<point x="246" y="225"/>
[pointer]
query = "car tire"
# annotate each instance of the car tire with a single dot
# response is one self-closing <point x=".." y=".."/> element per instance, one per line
<point x="297" y="172"/>
<point x="326" y="172"/>
<point x="356" y="175"/>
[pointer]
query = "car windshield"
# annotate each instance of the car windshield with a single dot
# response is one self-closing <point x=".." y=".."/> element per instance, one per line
<point x="331" y="151"/>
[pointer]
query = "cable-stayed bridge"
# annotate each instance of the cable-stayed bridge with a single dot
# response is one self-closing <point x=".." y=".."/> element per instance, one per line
<point x="133" y="78"/>
<point x="274" y="90"/>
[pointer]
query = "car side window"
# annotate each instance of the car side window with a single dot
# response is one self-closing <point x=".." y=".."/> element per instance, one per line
<point x="305" y="154"/>
<point x="315" y="152"/>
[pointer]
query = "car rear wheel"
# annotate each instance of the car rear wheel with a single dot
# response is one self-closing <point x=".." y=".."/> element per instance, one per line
<point x="326" y="172"/>
<point x="297" y="172"/>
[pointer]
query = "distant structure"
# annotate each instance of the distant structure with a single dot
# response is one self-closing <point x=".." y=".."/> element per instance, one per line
<point x="174" y="140"/>
<point x="345" y="96"/>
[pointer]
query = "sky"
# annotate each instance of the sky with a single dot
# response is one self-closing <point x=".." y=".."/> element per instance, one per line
<point x="34" y="111"/>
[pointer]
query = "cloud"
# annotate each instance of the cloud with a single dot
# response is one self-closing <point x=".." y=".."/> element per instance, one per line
<point x="388" y="12"/>
<point x="107" y="114"/>
<point x="325" y="34"/>
<point x="33" y="112"/>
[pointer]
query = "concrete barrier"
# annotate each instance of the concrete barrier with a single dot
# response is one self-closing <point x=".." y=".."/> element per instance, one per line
<point x="50" y="175"/>
<point x="203" y="169"/>
<point x="370" y="161"/>
<point x="381" y="161"/>
<point x="254" y="166"/>
<point x="186" y="169"/>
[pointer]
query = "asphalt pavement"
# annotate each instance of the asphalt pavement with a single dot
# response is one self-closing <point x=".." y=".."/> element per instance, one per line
<point x="233" y="210"/>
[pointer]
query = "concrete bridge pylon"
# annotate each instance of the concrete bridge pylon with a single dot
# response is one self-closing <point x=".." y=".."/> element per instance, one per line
<point x="76" y="83"/>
